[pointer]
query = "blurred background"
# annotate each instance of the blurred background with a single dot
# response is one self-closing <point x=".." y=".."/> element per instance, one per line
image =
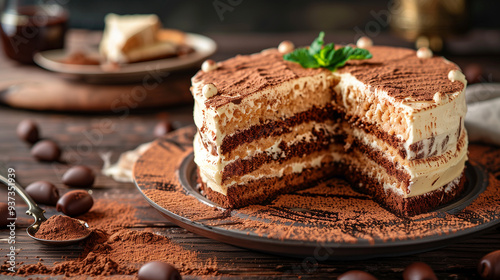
<point x="449" y="27"/>
<point x="466" y="32"/>
<point x="448" y="19"/>
<point x="201" y="16"/>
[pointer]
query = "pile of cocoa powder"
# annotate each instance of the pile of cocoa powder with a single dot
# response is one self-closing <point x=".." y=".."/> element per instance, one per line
<point x="113" y="249"/>
<point x="59" y="227"/>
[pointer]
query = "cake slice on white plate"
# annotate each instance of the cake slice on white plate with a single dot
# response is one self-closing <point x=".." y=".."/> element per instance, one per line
<point x="133" y="38"/>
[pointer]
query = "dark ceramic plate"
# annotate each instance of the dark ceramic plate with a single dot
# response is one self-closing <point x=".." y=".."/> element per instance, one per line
<point x="167" y="169"/>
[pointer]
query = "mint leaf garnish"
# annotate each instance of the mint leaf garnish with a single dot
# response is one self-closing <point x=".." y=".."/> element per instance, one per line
<point x="317" y="44"/>
<point x="303" y="57"/>
<point x="326" y="56"/>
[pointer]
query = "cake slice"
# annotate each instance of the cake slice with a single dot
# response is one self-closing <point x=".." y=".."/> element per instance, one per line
<point x="133" y="38"/>
<point x="392" y="125"/>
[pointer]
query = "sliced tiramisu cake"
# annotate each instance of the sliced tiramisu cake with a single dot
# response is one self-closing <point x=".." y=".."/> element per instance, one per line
<point x="390" y="123"/>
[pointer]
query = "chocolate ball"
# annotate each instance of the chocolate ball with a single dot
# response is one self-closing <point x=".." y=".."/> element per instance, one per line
<point x="5" y="215"/>
<point x="473" y="73"/>
<point x="27" y="130"/>
<point x="356" y="275"/>
<point x="163" y="128"/>
<point x="419" y="271"/>
<point x="43" y="192"/>
<point x="75" y="203"/>
<point x="79" y="176"/>
<point x="46" y="150"/>
<point x="489" y="266"/>
<point x="157" y="270"/>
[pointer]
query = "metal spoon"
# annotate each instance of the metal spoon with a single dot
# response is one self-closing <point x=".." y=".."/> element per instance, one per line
<point x="37" y="212"/>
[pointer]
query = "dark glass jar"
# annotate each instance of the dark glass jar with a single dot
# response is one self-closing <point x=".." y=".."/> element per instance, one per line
<point x="30" y="26"/>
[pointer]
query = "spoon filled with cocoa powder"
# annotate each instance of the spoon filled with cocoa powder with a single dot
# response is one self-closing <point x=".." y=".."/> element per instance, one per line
<point x="58" y="230"/>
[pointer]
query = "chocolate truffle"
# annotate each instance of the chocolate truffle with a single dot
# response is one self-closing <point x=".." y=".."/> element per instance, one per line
<point x="356" y="275"/>
<point x="79" y="176"/>
<point x="46" y="150"/>
<point x="473" y="73"/>
<point x="43" y="192"/>
<point x="162" y="128"/>
<point x="157" y="270"/>
<point x="5" y="214"/>
<point x="75" y="203"/>
<point x="419" y="271"/>
<point x="489" y="266"/>
<point x="27" y="131"/>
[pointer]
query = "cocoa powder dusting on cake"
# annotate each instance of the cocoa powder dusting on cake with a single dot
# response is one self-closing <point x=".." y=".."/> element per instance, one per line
<point x="112" y="249"/>
<point x="234" y="81"/>
<point x="59" y="227"/>
<point x="397" y="71"/>
<point x="403" y="75"/>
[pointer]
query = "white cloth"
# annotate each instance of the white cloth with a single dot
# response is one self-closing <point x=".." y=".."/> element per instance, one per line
<point x="121" y="171"/>
<point x="483" y="113"/>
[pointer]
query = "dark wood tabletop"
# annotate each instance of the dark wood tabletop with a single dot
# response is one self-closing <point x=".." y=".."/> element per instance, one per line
<point x="84" y="136"/>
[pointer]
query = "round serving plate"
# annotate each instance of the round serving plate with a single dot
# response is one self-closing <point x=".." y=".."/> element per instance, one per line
<point x="329" y="226"/>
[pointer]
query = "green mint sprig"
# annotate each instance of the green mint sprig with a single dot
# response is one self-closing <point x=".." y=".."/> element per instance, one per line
<point x="317" y="56"/>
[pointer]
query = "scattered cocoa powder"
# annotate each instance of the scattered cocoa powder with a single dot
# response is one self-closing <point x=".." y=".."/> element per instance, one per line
<point x="110" y="215"/>
<point x="334" y="213"/>
<point x="59" y="227"/>
<point x="112" y="249"/>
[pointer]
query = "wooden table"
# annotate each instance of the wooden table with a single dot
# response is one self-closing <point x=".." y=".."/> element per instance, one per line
<point x="84" y="136"/>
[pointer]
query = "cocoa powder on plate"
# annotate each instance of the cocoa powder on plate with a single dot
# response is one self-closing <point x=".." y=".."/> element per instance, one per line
<point x="330" y="211"/>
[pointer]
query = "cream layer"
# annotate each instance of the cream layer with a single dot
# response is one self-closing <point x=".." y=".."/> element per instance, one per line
<point x="304" y="132"/>
<point x="428" y="122"/>
<point x="425" y="175"/>
<point x="272" y="103"/>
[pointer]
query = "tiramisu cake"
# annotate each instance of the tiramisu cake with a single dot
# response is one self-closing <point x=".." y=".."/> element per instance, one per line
<point x="392" y="125"/>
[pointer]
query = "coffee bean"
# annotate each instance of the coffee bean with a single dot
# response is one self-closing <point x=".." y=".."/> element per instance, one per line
<point x="75" y="203"/>
<point x="419" y="271"/>
<point x="46" y="150"/>
<point x="163" y="128"/>
<point x="43" y="192"/>
<point x="157" y="270"/>
<point x="79" y="176"/>
<point x="489" y="266"/>
<point x="27" y="130"/>
<point x="5" y="214"/>
<point x="356" y="275"/>
<point x="473" y="73"/>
